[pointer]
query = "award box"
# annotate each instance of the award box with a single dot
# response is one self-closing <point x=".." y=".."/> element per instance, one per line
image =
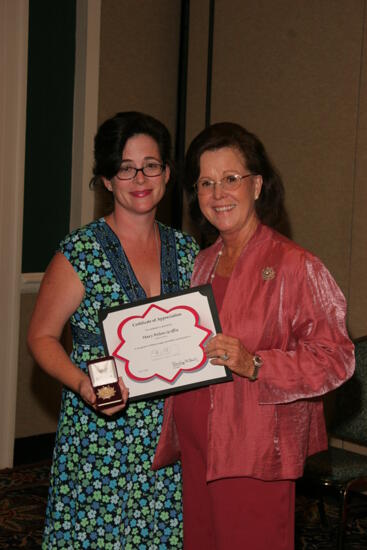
<point x="104" y="379"/>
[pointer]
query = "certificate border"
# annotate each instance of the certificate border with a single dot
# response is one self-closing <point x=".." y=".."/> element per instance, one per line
<point x="207" y="291"/>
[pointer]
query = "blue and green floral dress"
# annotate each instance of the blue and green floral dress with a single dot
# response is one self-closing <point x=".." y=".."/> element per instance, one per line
<point x="103" y="493"/>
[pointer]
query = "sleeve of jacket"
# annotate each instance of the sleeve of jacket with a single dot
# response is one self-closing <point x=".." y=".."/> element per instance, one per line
<point x="319" y="356"/>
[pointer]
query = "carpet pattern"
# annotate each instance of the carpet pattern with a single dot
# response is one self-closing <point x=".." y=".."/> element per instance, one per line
<point x="23" y="495"/>
<point x="312" y="535"/>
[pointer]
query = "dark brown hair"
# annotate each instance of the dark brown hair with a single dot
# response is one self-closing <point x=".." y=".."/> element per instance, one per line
<point x="269" y="206"/>
<point x="113" y="134"/>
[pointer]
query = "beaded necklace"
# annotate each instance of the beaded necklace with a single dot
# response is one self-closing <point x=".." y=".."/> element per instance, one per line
<point x="212" y="274"/>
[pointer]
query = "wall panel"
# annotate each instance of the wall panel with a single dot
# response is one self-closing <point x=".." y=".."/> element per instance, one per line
<point x="13" y="93"/>
<point x="38" y="395"/>
<point x="197" y="70"/>
<point x="139" y="55"/>
<point x="139" y="58"/>
<point x="358" y="264"/>
<point x="296" y="83"/>
<point x="291" y="72"/>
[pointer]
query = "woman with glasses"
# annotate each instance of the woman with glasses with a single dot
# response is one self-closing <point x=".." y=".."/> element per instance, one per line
<point x="243" y="443"/>
<point x="103" y="493"/>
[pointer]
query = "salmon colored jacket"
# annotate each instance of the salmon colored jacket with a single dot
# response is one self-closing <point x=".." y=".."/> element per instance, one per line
<point x="284" y="305"/>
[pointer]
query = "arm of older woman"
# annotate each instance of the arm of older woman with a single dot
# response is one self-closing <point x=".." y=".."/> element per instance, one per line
<point x="317" y="355"/>
<point x="320" y="354"/>
<point x="60" y="295"/>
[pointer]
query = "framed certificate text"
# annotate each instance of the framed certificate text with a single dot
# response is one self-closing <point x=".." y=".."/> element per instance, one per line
<point x="159" y="343"/>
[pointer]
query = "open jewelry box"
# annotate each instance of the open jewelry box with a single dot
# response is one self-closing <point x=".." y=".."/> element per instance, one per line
<point x="104" y="378"/>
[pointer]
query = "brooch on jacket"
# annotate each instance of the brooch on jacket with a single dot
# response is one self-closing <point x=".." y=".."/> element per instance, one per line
<point x="268" y="273"/>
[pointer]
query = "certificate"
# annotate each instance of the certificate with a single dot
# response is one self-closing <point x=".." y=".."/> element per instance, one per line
<point x="159" y="343"/>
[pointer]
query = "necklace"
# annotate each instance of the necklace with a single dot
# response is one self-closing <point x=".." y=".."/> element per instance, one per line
<point x="129" y="268"/>
<point x="220" y="253"/>
<point x="212" y="274"/>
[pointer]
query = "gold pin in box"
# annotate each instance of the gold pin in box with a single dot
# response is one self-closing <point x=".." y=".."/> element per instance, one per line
<point x="104" y="378"/>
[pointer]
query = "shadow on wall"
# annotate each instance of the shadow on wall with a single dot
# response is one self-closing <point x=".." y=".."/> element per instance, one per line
<point x="46" y="391"/>
<point x="38" y="394"/>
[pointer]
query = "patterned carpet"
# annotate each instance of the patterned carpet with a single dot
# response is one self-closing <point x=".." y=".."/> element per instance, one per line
<point x="23" y="494"/>
<point x="312" y="535"/>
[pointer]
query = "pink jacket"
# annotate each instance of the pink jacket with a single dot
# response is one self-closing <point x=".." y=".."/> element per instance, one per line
<point x="284" y="305"/>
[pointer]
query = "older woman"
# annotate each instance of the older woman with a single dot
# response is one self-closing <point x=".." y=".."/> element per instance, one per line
<point x="243" y="443"/>
<point x="103" y="493"/>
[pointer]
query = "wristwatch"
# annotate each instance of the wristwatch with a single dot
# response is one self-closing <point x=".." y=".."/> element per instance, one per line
<point x="257" y="361"/>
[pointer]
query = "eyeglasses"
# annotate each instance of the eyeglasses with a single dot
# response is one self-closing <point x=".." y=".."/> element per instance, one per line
<point x="150" y="170"/>
<point x="230" y="182"/>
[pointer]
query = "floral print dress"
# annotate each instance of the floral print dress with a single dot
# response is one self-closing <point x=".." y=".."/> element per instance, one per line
<point x="103" y="493"/>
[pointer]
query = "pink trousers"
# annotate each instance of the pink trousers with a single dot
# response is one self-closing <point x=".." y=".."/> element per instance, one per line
<point x="232" y="513"/>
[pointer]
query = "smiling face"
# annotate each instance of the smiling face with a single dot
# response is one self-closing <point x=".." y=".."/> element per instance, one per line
<point x="141" y="194"/>
<point x="232" y="212"/>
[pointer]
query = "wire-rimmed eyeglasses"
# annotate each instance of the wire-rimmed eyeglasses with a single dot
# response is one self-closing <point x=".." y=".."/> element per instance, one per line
<point x="230" y="182"/>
